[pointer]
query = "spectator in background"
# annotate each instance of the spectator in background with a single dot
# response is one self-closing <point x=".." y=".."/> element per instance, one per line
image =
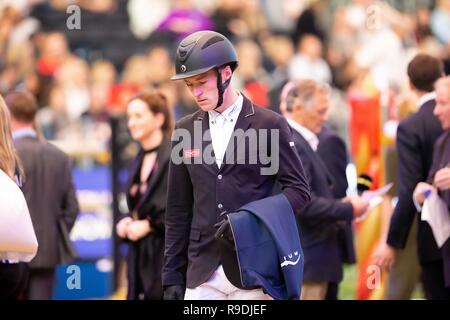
<point x="280" y="51"/>
<point x="53" y="52"/>
<point x="310" y="21"/>
<point x="99" y="98"/>
<point x="282" y="15"/>
<point x="136" y="72"/>
<point x="159" y="65"/>
<point x="48" y="189"/>
<point x="416" y="136"/>
<point x="404" y="273"/>
<point x="73" y="77"/>
<point x="103" y="72"/>
<point x="439" y="178"/>
<point x="440" y="22"/>
<point x="251" y="76"/>
<point x="12" y="274"/>
<point x="53" y="118"/>
<point x="306" y="107"/>
<point x="239" y="19"/>
<point x="183" y="19"/>
<point x="333" y="151"/>
<point x="150" y="124"/>
<point x="308" y="63"/>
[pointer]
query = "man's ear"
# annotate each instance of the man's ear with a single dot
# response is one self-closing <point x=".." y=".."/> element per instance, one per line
<point x="226" y="73"/>
<point x="296" y="106"/>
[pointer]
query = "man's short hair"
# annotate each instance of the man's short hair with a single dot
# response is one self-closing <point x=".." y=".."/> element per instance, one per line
<point x="424" y="70"/>
<point x="304" y="92"/>
<point x="22" y="105"/>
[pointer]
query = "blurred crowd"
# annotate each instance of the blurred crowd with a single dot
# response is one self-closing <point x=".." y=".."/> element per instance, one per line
<point x="84" y="73"/>
<point x="81" y="76"/>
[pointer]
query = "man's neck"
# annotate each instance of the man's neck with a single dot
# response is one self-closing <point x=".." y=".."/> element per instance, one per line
<point x="420" y="94"/>
<point x="229" y="97"/>
<point x="16" y="126"/>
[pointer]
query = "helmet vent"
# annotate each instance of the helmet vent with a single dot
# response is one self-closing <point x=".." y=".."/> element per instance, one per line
<point x="212" y="41"/>
<point x="184" y="51"/>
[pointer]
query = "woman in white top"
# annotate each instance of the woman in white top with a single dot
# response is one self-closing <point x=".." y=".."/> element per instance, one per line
<point x="12" y="273"/>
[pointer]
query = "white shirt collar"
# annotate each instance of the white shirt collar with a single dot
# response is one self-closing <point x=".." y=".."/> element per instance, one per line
<point x="25" y="132"/>
<point x="307" y="134"/>
<point x="425" y="98"/>
<point x="231" y="113"/>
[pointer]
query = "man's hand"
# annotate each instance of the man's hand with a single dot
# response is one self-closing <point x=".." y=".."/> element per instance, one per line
<point x="175" y="292"/>
<point x="442" y="179"/>
<point x="419" y="192"/>
<point x="384" y="255"/>
<point x="122" y="227"/>
<point x="359" y="205"/>
<point x="138" y="229"/>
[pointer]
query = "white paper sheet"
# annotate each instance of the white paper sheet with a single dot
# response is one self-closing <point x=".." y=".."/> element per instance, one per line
<point x="435" y="212"/>
<point x="375" y="197"/>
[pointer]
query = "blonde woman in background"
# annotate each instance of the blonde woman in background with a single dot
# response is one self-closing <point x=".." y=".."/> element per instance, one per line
<point x="12" y="274"/>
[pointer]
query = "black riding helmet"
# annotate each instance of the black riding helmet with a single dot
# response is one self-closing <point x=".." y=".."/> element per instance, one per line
<point x="203" y="51"/>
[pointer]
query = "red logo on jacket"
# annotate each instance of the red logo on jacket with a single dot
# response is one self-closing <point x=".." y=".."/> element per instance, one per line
<point x="191" y="153"/>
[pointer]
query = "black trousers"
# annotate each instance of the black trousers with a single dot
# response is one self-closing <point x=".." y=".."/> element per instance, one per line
<point x="40" y="284"/>
<point x="332" y="291"/>
<point x="13" y="278"/>
<point x="433" y="281"/>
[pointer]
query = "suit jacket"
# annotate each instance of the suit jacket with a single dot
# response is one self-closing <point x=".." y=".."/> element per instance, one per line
<point x="50" y="195"/>
<point x="319" y="220"/>
<point x="269" y="226"/>
<point x="145" y="256"/>
<point x="416" y="136"/>
<point x="441" y="159"/>
<point x="199" y="192"/>
<point x="333" y="152"/>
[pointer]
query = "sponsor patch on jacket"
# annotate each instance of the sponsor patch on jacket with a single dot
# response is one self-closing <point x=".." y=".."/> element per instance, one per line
<point x="191" y="153"/>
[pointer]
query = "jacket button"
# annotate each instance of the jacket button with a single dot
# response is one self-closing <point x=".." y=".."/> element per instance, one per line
<point x="219" y="177"/>
<point x="220" y="206"/>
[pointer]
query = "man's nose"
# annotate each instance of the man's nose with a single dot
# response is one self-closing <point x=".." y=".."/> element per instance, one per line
<point x="197" y="91"/>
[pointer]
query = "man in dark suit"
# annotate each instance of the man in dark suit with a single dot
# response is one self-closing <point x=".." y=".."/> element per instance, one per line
<point x="416" y="136"/>
<point x="333" y="152"/>
<point x="439" y="178"/>
<point x="48" y="190"/>
<point x="306" y="110"/>
<point x="217" y="166"/>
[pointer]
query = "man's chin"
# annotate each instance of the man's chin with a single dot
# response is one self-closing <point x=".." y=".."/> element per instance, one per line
<point x="205" y="107"/>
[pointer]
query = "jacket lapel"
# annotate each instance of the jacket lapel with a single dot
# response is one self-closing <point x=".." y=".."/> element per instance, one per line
<point x="243" y="122"/>
<point x="206" y="143"/>
<point x="317" y="161"/>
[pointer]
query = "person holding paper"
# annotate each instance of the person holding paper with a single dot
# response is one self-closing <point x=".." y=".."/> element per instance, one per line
<point x="414" y="142"/>
<point x="306" y="105"/>
<point x="439" y="176"/>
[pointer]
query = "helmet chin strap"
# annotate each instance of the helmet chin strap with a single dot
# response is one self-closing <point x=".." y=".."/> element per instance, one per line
<point x="221" y="87"/>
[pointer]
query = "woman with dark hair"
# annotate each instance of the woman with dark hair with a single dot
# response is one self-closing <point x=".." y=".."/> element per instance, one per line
<point x="150" y="124"/>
